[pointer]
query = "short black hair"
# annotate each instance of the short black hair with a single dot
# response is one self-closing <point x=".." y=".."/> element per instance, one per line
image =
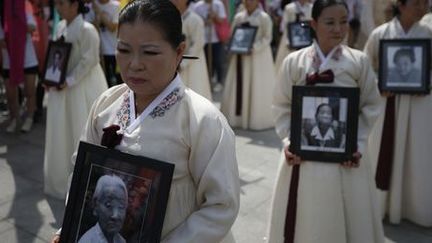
<point x="407" y="52"/>
<point x="322" y="105"/>
<point x="162" y="13"/>
<point x="320" y="5"/>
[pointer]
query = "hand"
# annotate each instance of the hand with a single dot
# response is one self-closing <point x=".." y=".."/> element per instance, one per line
<point x="291" y="158"/>
<point x="354" y="162"/>
<point x="387" y="94"/>
<point x="56" y="239"/>
<point x="62" y="86"/>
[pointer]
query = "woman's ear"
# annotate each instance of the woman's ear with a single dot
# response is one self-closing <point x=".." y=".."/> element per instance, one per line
<point x="180" y="51"/>
<point x="313" y="24"/>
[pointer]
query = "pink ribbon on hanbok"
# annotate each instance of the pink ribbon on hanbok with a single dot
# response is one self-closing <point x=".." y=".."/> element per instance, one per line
<point x="15" y="28"/>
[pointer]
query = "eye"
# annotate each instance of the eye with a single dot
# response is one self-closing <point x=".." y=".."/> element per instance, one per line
<point x="151" y="53"/>
<point x="107" y="204"/>
<point x="122" y="50"/>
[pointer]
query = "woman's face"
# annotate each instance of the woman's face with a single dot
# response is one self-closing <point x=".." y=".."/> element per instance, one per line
<point x="324" y="115"/>
<point x="414" y="9"/>
<point x="147" y="62"/>
<point x="66" y="9"/>
<point x="404" y="65"/>
<point x="331" y="26"/>
<point x="251" y="5"/>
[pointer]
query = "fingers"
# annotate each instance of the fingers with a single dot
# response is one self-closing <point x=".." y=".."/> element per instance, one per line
<point x="291" y="158"/>
<point x="354" y="163"/>
<point x="56" y="239"/>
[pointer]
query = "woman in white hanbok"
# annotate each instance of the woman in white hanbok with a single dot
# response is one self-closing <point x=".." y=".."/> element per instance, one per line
<point x="409" y="164"/>
<point x="299" y="10"/>
<point x="163" y="119"/>
<point x="194" y="72"/>
<point x="246" y="100"/>
<point x="69" y="106"/>
<point x="317" y="201"/>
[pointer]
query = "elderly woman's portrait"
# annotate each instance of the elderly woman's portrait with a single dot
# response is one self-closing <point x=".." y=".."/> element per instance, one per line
<point x="242" y="39"/>
<point x="114" y="208"/>
<point x="405" y="65"/>
<point x="324" y="124"/>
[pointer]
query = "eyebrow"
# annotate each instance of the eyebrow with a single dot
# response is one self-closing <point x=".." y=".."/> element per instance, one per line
<point x="141" y="46"/>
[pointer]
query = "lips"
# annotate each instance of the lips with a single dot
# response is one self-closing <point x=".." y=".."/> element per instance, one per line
<point x="135" y="80"/>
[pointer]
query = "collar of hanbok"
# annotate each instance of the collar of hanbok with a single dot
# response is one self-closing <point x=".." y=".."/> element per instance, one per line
<point x="70" y="32"/>
<point x="157" y="108"/>
<point x="396" y="28"/>
<point x="101" y="237"/>
<point x="255" y="13"/>
<point x="303" y="9"/>
<point x="186" y="14"/>
<point x="329" y="135"/>
<point x="319" y="61"/>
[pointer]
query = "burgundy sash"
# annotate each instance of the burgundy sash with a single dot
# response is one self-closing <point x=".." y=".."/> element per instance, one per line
<point x="291" y="214"/>
<point x="15" y="28"/>
<point x="239" y="88"/>
<point x="385" y="158"/>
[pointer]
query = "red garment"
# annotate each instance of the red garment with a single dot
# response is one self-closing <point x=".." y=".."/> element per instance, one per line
<point x="40" y="35"/>
<point x="15" y="28"/>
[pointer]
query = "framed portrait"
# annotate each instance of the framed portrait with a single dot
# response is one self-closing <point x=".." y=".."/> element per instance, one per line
<point x="324" y="123"/>
<point x="242" y="39"/>
<point x="116" y="196"/>
<point x="56" y="62"/>
<point x="299" y="34"/>
<point x="404" y="66"/>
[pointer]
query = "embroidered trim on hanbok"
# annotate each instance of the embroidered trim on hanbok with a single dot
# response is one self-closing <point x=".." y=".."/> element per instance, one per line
<point x="166" y="103"/>
<point x="123" y="114"/>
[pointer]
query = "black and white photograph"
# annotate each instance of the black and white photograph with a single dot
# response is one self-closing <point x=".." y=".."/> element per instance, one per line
<point x="322" y="126"/>
<point x="404" y="66"/>
<point x="56" y="62"/>
<point x="115" y="199"/>
<point x="299" y="34"/>
<point x="242" y="39"/>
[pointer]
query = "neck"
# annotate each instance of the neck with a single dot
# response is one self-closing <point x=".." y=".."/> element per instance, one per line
<point x="71" y="19"/>
<point x="302" y="2"/>
<point x="323" y="129"/>
<point x="406" y="22"/>
<point x="325" y="48"/>
<point x="142" y="101"/>
<point x="249" y="12"/>
<point x="182" y="9"/>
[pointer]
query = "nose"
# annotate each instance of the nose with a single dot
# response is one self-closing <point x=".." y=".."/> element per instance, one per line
<point x="115" y="214"/>
<point x="135" y="63"/>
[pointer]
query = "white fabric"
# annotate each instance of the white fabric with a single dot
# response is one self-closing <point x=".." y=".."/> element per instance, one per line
<point x="194" y="73"/>
<point x="67" y="110"/>
<point x="202" y="9"/>
<point x="334" y="204"/>
<point x="289" y="15"/>
<point x="257" y="74"/>
<point x="409" y="195"/>
<point x="192" y="134"/>
<point x="95" y="235"/>
<point x="108" y="39"/>
<point x="30" y="59"/>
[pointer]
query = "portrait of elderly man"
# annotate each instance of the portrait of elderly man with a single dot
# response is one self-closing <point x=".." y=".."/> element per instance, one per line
<point x="110" y="200"/>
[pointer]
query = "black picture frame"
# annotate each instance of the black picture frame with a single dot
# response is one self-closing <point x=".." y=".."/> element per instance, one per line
<point x="404" y="66"/>
<point x="147" y="181"/>
<point x="242" y="39"/>
<point x="343" y="105"/>
<point x="56" y="61"/>
<point x="299" y="34"/>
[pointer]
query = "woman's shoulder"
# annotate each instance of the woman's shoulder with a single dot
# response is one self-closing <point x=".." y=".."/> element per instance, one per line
<point x="110" y="95"/>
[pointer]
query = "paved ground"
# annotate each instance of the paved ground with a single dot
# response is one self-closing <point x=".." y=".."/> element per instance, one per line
<point x="27" y="215"/>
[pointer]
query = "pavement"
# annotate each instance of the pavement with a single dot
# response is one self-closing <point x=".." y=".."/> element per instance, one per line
<point x="28" y="215"/>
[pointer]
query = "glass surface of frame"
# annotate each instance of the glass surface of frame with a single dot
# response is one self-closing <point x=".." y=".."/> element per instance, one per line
<point x="56" y="62"/>
<point x="122" y="195"/>
<point x="404" y="66"/>
<point x="242" y="39"/>
<point x="324" y="123"/>
<point x="299" y="34"/>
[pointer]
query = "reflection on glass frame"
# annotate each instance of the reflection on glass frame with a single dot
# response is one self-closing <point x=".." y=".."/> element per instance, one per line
<point x="324" y="123"/>
<point x="242" y="39"/>
<point x="56" y="62"/>
<point x="299" y="34"/>
<point x="120" y="195"/>
<point x="404" y="66"/>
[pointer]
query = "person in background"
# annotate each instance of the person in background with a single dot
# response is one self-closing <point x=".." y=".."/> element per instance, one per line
<point x="299" y="10"/>
<point x="68" y="105"/>
<point x="213" y="12"/>
<point x="160" y="118"/>
<point x="317" y="201"/>
<point x="194" y="73"/>
<point x="403" y="160"/>
<point x="246" y="100"/>
<point x="106" y="20"/>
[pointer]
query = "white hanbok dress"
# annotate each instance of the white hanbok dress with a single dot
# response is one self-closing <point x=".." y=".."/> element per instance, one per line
<point x="67" y="109"/>
<point x="290" y="15"/>
<point x="194" y="72"/>
<point x="410" y="195"/>
<point x="188" y="131"/>
<point x="334" y="204"/>
<point x="252" y="108"/>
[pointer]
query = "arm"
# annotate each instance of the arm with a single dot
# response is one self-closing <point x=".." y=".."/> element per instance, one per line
<point x="371" y="49"/>
<point x="263" y="41"/>
<point x="88" y="42"/>
<point x="213" y="168"/>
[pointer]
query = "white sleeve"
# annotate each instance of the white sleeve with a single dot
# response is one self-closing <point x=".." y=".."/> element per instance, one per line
<point x="221" y="10"/>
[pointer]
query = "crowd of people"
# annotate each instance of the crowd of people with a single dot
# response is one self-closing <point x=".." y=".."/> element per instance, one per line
<point x="132" y="63"/>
